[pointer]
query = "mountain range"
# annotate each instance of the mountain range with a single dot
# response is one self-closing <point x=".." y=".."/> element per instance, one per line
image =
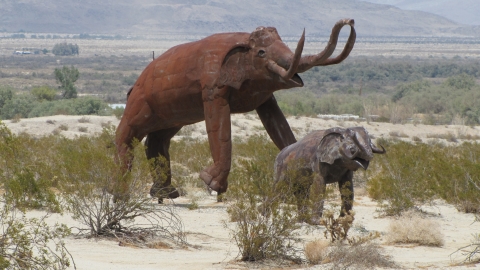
<point x="460" y="11"/>
<point x="154" y="17"/>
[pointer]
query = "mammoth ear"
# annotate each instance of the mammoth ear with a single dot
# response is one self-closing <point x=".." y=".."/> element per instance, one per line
<point x="329" y="148"/>
<point x="232" y="71"/>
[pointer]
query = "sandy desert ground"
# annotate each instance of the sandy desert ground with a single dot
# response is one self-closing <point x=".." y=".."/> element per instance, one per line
<point x="205" y="228"/>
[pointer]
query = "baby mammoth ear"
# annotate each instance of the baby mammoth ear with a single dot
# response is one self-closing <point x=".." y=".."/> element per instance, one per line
<point x="329" y="148"/>
<point x="232" y="71"/>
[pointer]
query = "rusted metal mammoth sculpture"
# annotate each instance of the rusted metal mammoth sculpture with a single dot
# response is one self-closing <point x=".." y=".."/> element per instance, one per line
<point x="323" y="157"/>
<point x="208" y="80"/>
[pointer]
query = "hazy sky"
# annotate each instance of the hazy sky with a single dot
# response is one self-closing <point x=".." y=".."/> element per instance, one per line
<point x="460" y="11"/>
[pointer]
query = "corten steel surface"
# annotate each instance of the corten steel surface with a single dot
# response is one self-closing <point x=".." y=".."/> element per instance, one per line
<point x="208" y="80"/>
<point x="324" y="157"/>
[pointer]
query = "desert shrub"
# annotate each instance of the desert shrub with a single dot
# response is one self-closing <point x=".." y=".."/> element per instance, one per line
<point x="412" y="228"/>
<point x="337" y="228"/>
<point x="78" y="106"/>
<point x="260" y="235"/>
<point x="412" y="174"/>
<point x="471" y="252"/>
<point x="118" y="112"/>
<point x="189" y="157"/>
<point x="461" y="81"/>
<point x="20" y="104"/>
<point x="401" y="180"/>
<point x="456" y="96"/>
<point x="29" y="243"/>
<point x="307" y="103"/>
<point x="43" y="93"/>
<point x="26" y="178"/>
<point x="108" y="203"/>
<point x="6" y="93"/>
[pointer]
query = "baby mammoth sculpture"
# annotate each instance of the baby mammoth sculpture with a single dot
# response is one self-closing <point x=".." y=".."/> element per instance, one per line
<point x="208" y="80"/>
<point x="323" y="157"/>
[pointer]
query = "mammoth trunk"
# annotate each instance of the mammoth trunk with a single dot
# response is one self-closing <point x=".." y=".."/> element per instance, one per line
<point x="292" y="70"/>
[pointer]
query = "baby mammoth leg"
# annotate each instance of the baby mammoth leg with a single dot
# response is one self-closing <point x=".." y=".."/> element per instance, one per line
<point x="345" y="186"/>
<point x="317" y="197"/>
<point x="157" y="146"/>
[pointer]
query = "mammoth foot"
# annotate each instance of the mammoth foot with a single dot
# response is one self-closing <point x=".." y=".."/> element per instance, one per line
<point x="212" y="182"/>
<point x="161" y="192"/>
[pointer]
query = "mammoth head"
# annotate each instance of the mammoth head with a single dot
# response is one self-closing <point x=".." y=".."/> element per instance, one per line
<point x="351" y="145"/>
<point x="265" y="56"/>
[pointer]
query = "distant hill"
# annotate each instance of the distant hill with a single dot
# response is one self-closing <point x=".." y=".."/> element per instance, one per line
<point x="141" y="17"/>
<point x="460" y="11"/>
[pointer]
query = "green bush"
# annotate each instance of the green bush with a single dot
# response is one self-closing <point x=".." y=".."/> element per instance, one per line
<point x="107" y="202"/>
<point x="413" y="174"/>
<point x="19" y="106"/>
<point x="29" y="243"/>
<point x="260" y="233"/>
<point x="26" y="179"/>
<point x="78" y="106"/>
<point x="6" y="93"/>
<point x="43" y="93"/>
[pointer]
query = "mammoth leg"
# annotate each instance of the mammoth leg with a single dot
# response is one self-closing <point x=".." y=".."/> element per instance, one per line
<point x="275" y="123"/>
<point x="157" y="145"/>
<point x="345" y="185"/>
<point x="217" y="121"/>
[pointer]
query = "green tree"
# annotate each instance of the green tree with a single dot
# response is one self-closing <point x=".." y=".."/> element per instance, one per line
<point x="67" y="77"/>
<point x="65" y="49"/>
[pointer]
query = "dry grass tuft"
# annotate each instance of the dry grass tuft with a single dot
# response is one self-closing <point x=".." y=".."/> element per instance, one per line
<point x="398" y="134"/>
<point x="412" y="228"/>
<point x="63" y="127"/>
<point x="364" y="256"/>
<point x="317" y="251"/>
<point x="158" y="245"/>
<point x="83" y="129"/>
<point x="84" y="120"/>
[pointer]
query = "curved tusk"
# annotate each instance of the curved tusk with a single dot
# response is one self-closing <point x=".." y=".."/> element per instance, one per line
<point x="288" y="74"/>
<point x="322" y="59"/>
<point x="376" y="150"/>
